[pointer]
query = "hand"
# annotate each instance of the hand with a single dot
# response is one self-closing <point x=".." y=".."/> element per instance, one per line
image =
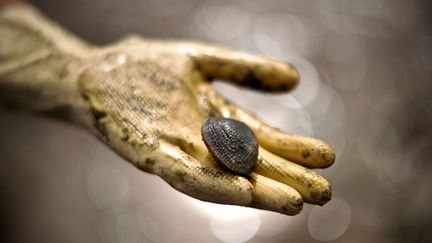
<point x="148" y="99"/>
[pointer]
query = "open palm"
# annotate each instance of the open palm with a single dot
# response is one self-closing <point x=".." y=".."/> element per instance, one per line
<point x="148" y="100"/>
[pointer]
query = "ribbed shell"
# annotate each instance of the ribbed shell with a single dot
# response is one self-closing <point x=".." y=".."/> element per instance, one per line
<point x="232" y="143"/>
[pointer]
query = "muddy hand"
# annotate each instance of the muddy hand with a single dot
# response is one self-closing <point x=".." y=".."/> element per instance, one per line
<point x="147" y="100"/>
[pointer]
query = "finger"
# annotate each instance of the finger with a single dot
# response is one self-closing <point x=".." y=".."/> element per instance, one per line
<point x="272" y="195"/>
<point x="312" y="187"/>
<point x="310" y="152"/>
<point x="240" y="67"/>
<point x="187" y="175"/>
<point x="267" y="193"/>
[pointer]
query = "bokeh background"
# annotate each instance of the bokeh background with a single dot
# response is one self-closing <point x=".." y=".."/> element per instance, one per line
<point x="366" y="89"/>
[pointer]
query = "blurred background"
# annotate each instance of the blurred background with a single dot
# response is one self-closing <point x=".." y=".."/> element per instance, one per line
<point x="366" y="89"/>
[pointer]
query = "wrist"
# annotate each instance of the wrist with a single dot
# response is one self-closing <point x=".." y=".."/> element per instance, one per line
<point x="40" y="62"/>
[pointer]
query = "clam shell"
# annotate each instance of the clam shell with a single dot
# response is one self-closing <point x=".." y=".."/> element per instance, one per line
<point x="231" y="143"/>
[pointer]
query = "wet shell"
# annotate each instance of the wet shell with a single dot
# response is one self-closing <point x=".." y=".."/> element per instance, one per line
<point x="231" y="143"/>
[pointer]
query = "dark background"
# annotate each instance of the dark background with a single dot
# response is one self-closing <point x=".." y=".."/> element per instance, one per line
<point x="366" y="89"/>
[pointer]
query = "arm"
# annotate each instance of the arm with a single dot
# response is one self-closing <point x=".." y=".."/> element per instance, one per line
<point x="147" y="100"/>
<point x="39" y="62"/>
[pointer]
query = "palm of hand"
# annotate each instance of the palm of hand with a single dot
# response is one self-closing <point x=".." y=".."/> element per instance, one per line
<point x="148" y="101"/>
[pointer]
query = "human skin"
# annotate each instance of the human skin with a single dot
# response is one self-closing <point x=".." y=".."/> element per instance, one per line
<point x="147" y="99"/>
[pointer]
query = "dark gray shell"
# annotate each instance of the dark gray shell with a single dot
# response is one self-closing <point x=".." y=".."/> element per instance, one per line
<point x="232" y="143"/>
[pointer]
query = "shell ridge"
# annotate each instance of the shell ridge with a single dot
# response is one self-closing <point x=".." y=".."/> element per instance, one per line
<point x="232" y="143"/>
